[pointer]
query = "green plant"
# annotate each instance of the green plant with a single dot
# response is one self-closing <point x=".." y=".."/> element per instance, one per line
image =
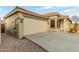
<point x="73" y="29"/>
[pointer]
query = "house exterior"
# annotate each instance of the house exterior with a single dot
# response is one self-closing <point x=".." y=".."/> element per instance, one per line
<point x="21" y="22"/>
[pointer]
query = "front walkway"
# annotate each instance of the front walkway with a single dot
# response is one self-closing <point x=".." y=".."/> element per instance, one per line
<point x="11" y="44"/>
<point x="56" y="41"/>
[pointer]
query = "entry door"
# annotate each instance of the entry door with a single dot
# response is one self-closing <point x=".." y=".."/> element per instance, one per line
<point x="2" y="28"/>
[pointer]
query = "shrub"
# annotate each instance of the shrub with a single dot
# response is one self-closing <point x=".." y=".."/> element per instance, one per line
<point x="73" y="28"/>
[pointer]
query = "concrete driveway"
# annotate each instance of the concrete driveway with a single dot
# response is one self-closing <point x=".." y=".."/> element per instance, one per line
<point x="56" y="41"/>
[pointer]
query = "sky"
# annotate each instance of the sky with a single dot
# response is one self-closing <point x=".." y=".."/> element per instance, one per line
<point x="64" y="10"/>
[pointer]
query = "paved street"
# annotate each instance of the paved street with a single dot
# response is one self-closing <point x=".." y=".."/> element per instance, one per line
<point x="11" y="44"/>
<point x="56" y="41"/>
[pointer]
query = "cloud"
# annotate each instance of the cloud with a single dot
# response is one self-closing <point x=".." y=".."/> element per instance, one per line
<point x="46" y="7"/>
<point x="1" y="10"/>
<point x="69" y="10"/>
<point x="66" y="10"/>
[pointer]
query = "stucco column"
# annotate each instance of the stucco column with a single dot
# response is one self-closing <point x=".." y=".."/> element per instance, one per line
<point x="62" y="26"/>
<point x="55" y="23"/>
<point x="21" y="27"/>
<point x="66" y="25"/>
<point x="21" y="31"/>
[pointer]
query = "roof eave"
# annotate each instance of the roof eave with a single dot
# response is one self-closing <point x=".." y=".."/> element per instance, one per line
<point x="18" y="9"/>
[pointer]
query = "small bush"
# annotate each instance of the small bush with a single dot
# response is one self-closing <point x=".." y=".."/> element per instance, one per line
<point x="72" y="30"/>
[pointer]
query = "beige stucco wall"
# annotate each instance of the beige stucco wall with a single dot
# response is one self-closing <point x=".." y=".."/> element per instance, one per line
<point x="32" y="26"/>
<point x="10" y="21"/>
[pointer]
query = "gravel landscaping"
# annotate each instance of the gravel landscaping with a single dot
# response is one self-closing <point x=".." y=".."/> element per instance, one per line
<point x="11" y="44"/>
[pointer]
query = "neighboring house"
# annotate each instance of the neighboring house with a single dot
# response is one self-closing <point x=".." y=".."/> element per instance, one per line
<point x="21" y="22"/>
<point x="75" y="25"/>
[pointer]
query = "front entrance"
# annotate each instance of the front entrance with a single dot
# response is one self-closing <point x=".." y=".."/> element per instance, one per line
<point x="56" y="24"/>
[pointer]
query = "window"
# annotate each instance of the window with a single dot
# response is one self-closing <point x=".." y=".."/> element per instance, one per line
<point x="52" y="23"/>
